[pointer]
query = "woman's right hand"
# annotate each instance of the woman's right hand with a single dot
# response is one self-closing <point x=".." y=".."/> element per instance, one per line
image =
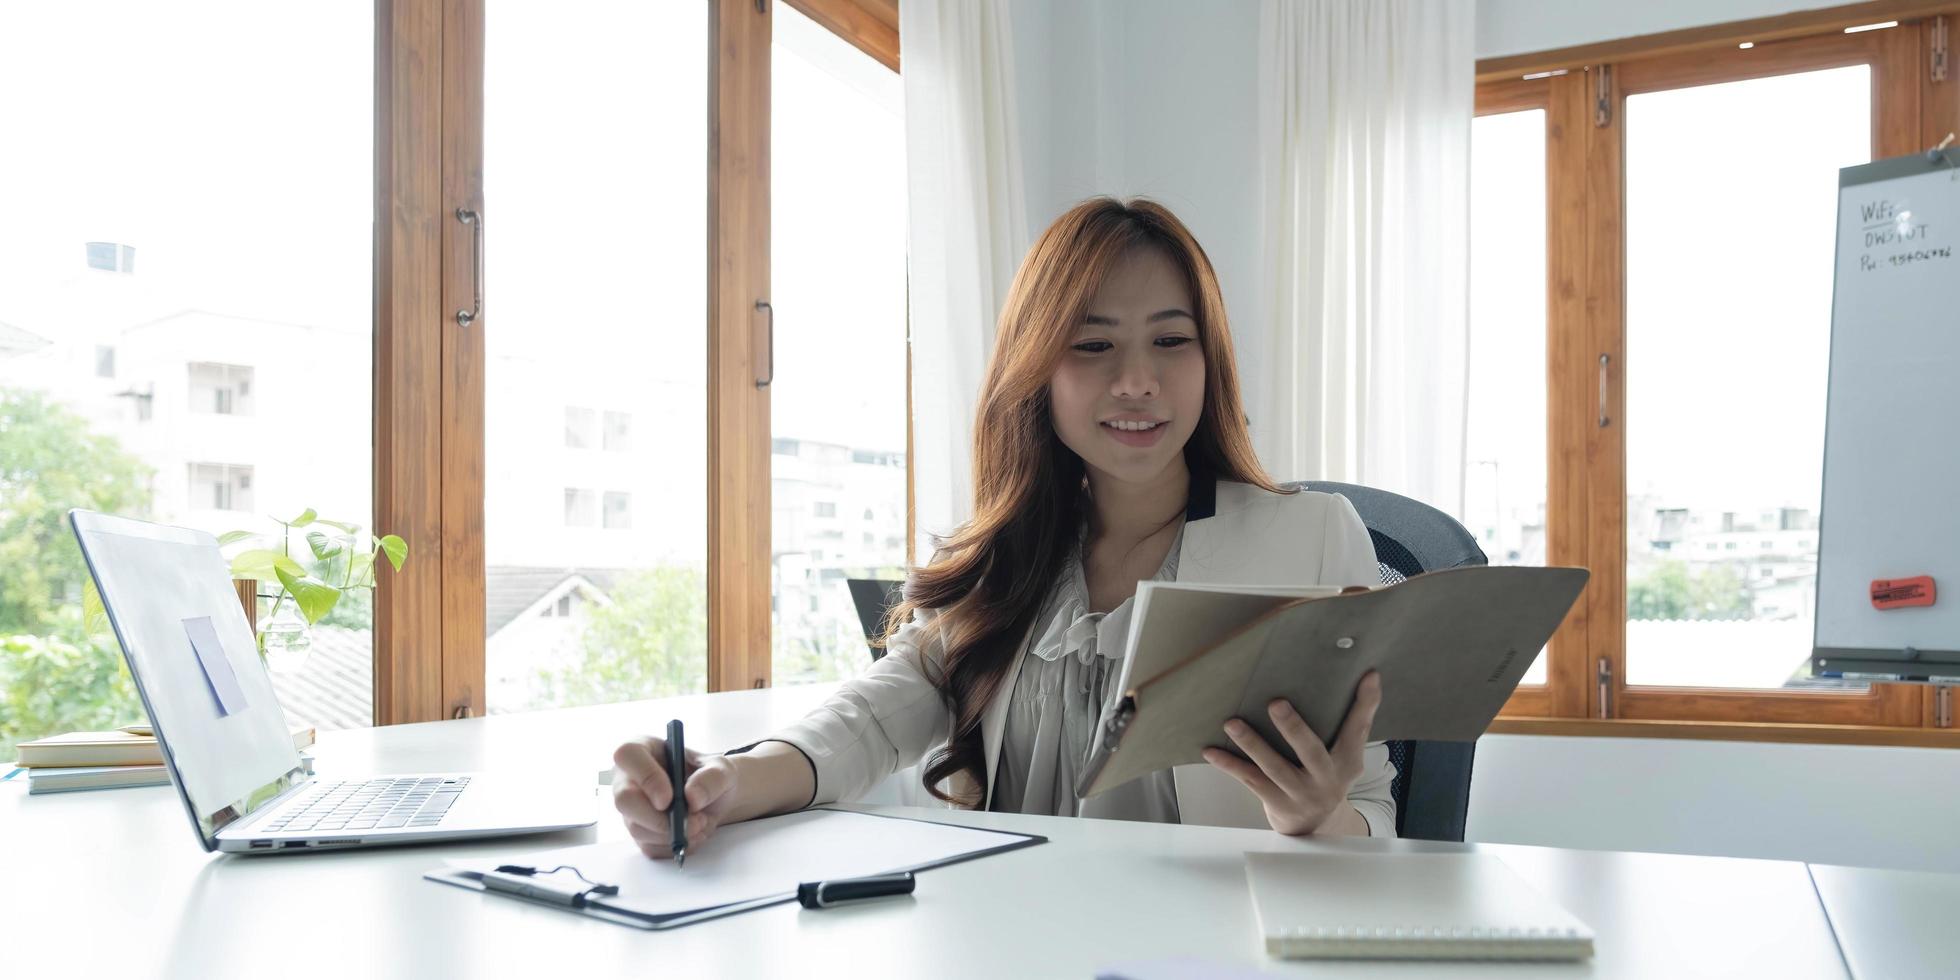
<point x="643" y="791"/>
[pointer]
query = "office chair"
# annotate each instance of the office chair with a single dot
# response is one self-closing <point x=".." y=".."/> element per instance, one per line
<point x="874" y="597"/>
<point x="1432" y="779"/>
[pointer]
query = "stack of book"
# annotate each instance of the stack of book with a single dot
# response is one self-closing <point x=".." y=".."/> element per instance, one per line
<point x="128" y="756"/>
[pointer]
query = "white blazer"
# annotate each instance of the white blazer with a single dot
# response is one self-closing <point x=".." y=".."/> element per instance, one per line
<point x="889" y="717"/>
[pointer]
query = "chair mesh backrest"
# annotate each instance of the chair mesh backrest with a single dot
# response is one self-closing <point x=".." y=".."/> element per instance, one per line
<point x="1392" y="560"/>
<point x="874" y="598"/>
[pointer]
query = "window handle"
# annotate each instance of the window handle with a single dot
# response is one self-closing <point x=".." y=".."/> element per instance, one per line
<point x="767" y="380"/>
<point x="475" y="220"/>
<point x="1604" y="360"/>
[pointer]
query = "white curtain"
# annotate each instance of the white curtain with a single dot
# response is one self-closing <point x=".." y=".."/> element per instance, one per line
<point x="968" y="230"/>
<point x="1365" y="138"/>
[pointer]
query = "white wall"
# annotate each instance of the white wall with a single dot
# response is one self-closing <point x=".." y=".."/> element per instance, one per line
<point x="1522" y="26"/>
<point x="1831" y="804"/>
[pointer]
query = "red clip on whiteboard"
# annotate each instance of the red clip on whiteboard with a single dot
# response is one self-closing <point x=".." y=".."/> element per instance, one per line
<point x="1895" y="593"/>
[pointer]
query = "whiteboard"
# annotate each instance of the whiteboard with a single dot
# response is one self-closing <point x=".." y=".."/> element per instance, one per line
<point x="1891" y="506"/>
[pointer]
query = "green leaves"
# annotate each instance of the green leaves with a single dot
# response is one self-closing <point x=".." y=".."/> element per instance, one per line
<point x="360" y="571"/>
<point x="50" y="461"/>
<point x="335" y="552"/>
<point x="95" y="618"/>
<point x="325" y="548"/>
<point x="263" y="563"/>
<point x="396" y="550"/>
<point x="316" y="598"/>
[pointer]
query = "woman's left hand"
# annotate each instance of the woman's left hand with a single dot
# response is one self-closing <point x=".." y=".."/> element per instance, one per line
<point x="1312" y="796"/>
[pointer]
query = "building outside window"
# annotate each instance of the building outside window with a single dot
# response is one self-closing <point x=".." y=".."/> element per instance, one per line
<point x="619" y="510"/>
<point x="581" y="507"/>
<point x="581" y="428"/>
<point x="111" y="257"/>
<point x="221" y="389"/>
<point x="220" y="486"/>
<point x="619" y="432"/>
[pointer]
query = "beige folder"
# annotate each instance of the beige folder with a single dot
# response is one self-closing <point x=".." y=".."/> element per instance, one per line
<point x="1450" y="645"/>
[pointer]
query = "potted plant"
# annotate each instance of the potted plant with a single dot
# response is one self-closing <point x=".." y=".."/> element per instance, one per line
<point x="338" y="559"/>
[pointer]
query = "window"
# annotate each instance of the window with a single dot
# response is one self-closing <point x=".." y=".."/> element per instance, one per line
<point x="1505" y="450"/>
<point x="111" y="257"/>
<point x="619" y="432"/>
<point x="158" y="146"/>
<point x="837" y="260"/>
<point x="578" y="102"/>
<point x="581" y="508"/>
<point x="1697" y="309"/>
<point x="1666" y="314"/>
<point x="220" y="486"/>
<point x="220" y="389"/>
<point x="581" y="424"/>
<point x="619" y="511"/>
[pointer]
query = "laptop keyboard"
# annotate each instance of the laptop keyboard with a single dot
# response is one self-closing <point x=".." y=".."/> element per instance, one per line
<point x="376" y="804"/>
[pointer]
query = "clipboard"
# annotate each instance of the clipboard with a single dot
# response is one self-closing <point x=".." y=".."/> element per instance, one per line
<point x="559" y="878"/>
<point x="1451" y="646"/>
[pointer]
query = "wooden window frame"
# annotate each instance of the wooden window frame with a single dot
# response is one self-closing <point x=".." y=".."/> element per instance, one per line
<point x="429" y="370"/>
<point x="1586" y="293"/>
<point x="424" y="666"/>
<point x="1567" y="690"/>
<point x="871" y="26"/>
<point x="738" y="345"/>
<point x="1892" y="56"/>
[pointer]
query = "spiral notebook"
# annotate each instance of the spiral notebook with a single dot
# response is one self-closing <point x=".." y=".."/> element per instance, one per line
<point x="1407" y="906"/>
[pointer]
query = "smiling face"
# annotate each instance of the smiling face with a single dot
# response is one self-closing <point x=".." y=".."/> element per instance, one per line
<point x="1131" y="386"/>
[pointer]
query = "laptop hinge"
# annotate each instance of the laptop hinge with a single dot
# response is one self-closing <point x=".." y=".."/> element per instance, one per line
<point x="270" y="805"/>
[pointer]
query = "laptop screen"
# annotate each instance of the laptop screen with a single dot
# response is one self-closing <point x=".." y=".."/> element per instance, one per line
<point x="169" y="596"/>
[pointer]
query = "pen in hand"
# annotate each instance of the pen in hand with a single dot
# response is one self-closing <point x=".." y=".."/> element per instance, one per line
<point x="677" y="771"/>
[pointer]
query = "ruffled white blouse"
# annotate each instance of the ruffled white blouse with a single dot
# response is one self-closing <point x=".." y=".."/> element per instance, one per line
<point x="1070" y="676"/>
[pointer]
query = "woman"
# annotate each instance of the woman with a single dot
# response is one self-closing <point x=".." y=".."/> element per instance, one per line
<point x="1110" y="448"/>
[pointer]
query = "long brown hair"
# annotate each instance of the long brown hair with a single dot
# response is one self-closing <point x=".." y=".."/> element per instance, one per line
<point x="1030" y="491"/>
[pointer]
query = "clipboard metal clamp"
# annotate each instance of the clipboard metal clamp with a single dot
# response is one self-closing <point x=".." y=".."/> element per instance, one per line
<point x="520" y="880"/>
<point x="1119" y="719"/>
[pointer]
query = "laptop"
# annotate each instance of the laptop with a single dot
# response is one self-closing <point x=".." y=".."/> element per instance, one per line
<point x="225" y="741"/>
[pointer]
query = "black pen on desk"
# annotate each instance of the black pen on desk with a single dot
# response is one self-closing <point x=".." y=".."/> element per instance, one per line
<point x="824" y="894"/>
<point x="677" y="771"/>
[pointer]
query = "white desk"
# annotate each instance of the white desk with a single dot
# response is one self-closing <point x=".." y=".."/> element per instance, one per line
<point x="115" y="879"/>
<point x="1894" y="923"/>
